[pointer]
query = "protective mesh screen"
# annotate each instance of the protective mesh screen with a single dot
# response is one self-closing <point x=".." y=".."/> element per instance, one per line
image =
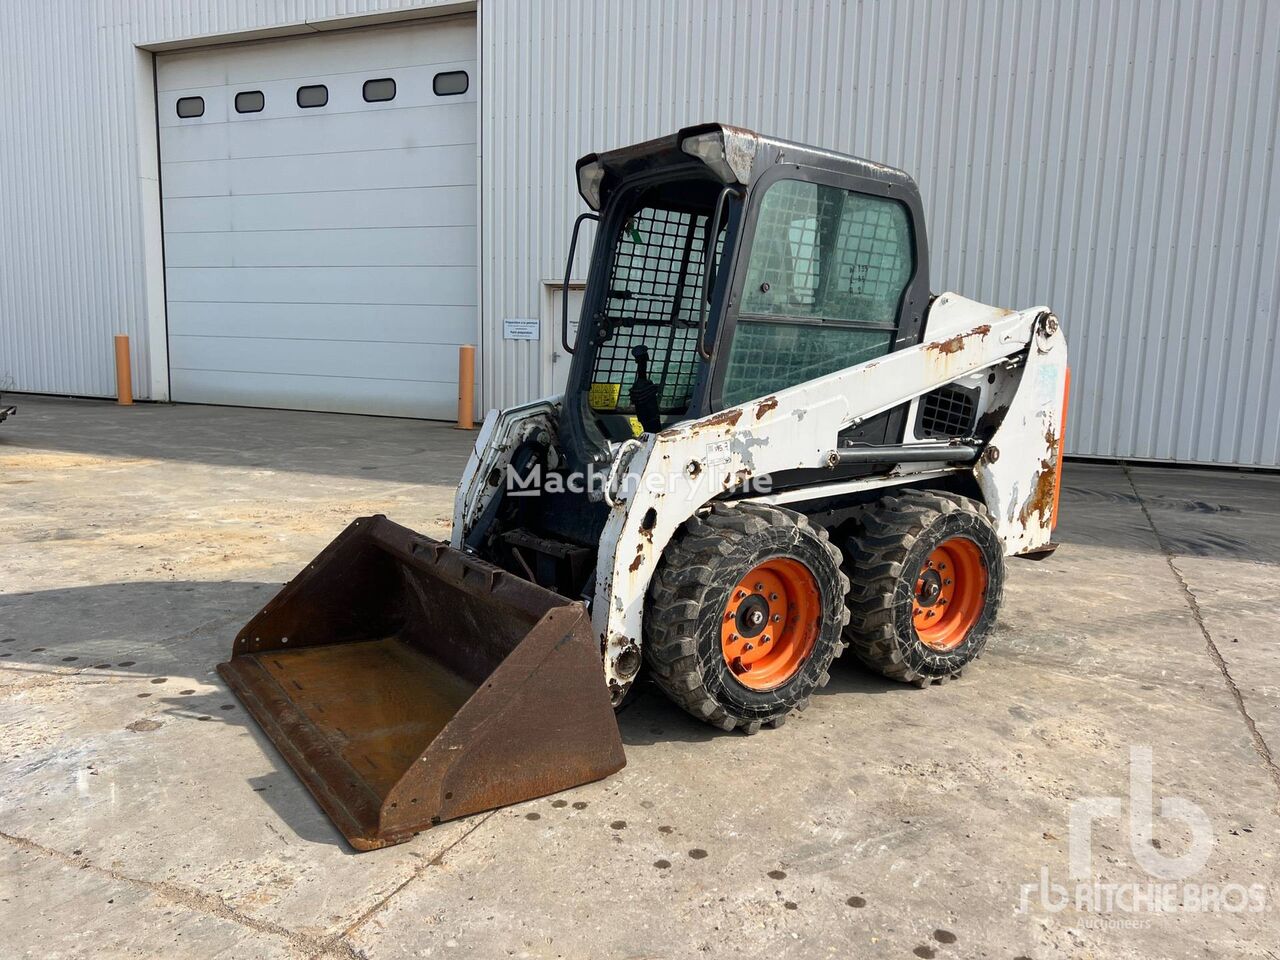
<point x="768" y="356"/>
<point x="653" y="300"/>
<point x="946" y="412"/>
<point x="820" y="251"/>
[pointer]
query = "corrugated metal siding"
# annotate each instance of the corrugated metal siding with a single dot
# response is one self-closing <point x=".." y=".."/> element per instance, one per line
<point x="1116" y="160"/>
<point x="71" y="238"/>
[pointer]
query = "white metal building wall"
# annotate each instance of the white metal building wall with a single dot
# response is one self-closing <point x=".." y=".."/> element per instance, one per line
<point x="1114" y="159"/>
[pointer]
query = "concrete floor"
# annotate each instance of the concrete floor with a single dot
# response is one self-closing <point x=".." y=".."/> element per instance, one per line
<point x="142" y="814"/>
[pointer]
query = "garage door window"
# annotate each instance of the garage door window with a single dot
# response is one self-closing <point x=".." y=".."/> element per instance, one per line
<point x="250" y="101"/>
<point x="450" y="84"/>
<point x="316" y="95"/>
<point x="189" y="107"/>
<point x="377" y="91"/>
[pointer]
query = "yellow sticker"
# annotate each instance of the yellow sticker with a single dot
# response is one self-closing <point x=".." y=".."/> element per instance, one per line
<point x="636" y="427"/>
<point x="604" y="396"/>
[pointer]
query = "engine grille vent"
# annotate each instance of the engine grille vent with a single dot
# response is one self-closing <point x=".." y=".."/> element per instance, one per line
<point x="947" y="412"/>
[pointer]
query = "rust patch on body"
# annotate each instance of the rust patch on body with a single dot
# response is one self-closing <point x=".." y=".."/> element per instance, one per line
<point x="956" y="344"/>
<point x="1041" y="499"/>
<point x="765" y="405"/>
<point x="723" y="418"/>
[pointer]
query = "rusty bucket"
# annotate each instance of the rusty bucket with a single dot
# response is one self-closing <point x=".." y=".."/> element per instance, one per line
<point x="407" y="683"/>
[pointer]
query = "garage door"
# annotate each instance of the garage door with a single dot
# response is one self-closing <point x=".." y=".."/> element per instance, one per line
<point x="320" y="219"/>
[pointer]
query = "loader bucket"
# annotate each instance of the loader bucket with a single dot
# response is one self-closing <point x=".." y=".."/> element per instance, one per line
<point x="407" y="683"/>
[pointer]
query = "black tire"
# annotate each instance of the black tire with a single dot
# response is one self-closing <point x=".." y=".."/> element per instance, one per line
<point x="893" y="539"/>
<point x="687" y="605"/>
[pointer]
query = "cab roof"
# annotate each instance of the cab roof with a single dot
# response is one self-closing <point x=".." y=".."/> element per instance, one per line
<point x="746" y="154"/>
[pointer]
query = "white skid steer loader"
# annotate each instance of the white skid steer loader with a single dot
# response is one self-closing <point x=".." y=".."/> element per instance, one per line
<point x="775" y="443"/>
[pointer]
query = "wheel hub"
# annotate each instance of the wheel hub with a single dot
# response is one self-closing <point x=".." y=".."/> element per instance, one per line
<point x="752" y="615"/>
<point x="929" y="589"/>
<point x="771" y="623"/>
<point x="950" y="594"/>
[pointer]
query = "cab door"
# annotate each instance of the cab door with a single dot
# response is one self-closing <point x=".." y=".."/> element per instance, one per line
<point x="834" y="274"/>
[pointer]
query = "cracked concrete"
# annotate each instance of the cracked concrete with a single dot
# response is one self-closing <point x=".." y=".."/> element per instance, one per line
<point x="142" y="814"/>
<point x="1259" y="742"/>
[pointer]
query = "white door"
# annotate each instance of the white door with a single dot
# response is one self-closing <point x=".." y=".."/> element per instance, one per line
<point x="320" y="219"/>
<point x="556" y="359"/>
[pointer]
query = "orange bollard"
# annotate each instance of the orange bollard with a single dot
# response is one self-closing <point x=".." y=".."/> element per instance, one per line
<point x="124" y="374"/>
<point x="466" y="386"/>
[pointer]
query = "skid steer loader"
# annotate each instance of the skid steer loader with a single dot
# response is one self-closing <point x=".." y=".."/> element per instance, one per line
<point x="775" y="443"/>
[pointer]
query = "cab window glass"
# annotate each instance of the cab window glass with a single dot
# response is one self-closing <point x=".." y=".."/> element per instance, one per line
<point x="827" y="253"/>
<point x="767" y="357"/>
<point x="826" y="275"/>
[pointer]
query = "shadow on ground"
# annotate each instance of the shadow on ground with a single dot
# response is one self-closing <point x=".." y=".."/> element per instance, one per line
<point x="333" y="444"/>
<point x="1197" y="513"/>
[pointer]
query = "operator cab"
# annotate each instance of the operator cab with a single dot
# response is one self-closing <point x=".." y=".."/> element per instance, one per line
<point x="817" y="263"/>
<point x="832" y="272"/>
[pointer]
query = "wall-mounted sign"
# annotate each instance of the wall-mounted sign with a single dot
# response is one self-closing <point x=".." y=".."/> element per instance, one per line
<point x="519" y="328"/>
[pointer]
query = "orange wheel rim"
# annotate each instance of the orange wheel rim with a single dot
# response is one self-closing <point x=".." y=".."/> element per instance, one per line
<point x="950" y="592"/>
<point x="770" y="623"/>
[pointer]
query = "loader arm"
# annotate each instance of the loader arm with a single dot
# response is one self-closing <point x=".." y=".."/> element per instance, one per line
<point x="674" y="473"/>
